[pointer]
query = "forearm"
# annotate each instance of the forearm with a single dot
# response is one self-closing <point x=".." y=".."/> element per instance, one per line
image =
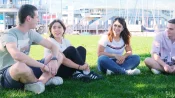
<point x="28" y="60"/>
<point x="67" y="62"/>
<point x="159" y="60"/>
<point x="127" y="54"/>
<point x="161" y="63"/>
<point x="112" y="55"/>
<point x="54" y="50"/>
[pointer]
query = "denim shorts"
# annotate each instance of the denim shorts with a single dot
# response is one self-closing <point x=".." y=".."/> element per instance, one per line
<point x="8" y="82"/>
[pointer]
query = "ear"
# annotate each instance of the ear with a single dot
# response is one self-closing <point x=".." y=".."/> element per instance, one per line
<point x="28" y="18"/>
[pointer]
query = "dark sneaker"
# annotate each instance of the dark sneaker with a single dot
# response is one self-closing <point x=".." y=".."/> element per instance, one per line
<point x="94" y="76"/>
<point x="80" y="76"/>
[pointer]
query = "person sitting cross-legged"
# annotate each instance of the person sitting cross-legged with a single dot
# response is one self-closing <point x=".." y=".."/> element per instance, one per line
<point x="163" y="51"/>
<point x="111" y="48"/>
<point x="17" y="69"/>
<point x="73" y="65"/>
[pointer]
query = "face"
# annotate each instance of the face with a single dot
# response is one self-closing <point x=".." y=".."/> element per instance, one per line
<point x="33" y="21"/>
<point x="57" y="30"/>
<point x="170" y="30"/>
<point x="117" y="28"/>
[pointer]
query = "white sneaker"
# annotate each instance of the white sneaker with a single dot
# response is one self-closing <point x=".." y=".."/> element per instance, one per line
<point x="55" y="81"/>
<point x="108" y="72"/>
<point x="155" y="71"/>
<point x="133" y="72"/>
<point x="37" y="87"/>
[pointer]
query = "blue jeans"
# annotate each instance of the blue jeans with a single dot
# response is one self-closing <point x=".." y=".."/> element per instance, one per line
<point x="105" y="62"/>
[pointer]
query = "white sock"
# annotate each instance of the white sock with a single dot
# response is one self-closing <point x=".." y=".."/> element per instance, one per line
<point x="86" y="72"/>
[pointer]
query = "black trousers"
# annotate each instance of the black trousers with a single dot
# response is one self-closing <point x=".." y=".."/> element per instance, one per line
<point x="77" y="55"/>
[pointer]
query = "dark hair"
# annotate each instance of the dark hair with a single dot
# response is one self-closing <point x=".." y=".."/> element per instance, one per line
<point x="51" y="24"/>
<point x="172" y="21"/>
<point x="125" y="34"/>
<point x="24" y="11"/>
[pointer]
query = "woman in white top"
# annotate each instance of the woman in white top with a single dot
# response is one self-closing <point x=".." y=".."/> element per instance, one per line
<point x="74" y="61"/>
<point x="111" y="56"/>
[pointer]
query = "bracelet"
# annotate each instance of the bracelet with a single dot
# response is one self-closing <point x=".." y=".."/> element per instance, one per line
<point x="78" y="67"/>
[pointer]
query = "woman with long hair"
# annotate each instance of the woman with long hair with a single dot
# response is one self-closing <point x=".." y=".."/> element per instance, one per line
<point x="111" y="56"/>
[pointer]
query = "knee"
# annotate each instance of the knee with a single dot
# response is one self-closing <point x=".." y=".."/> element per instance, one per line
<point x="102" y="58"/>
<point x="137" y="58"/>
<point x="71" y="49"/>
<point x="81" y="48"/>
<point x="21" y="69"/>
<point x="147" y="60"/>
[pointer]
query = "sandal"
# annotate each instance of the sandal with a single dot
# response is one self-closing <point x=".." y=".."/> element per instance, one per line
<point x="94" y="76"/>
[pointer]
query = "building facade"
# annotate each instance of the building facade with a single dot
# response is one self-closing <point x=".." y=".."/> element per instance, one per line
<point x="9" y="10"/>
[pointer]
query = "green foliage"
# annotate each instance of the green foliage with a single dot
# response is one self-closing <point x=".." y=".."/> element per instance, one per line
<point x="145" y="85"/>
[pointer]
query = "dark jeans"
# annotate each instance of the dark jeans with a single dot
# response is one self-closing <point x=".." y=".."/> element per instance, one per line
<point x="77" y="55"/>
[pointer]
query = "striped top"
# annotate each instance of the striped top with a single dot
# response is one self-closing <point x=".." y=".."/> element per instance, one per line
<point x="113" y="47"/>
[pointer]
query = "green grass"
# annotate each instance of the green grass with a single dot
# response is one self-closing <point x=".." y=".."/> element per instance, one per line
<point x="145" y="85"/>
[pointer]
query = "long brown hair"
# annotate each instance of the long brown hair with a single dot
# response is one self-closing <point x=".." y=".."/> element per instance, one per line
<point x="125" y="34"/>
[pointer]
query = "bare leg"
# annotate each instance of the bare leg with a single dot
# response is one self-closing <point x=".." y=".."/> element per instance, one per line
<point x="21" y="72"/>
<point x="46" y="76"/>
<point x="151" y="63"/>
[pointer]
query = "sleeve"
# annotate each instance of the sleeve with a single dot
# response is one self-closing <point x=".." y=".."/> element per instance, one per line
<point x="36" y="37"/>
<point x="103" y="41"/>
<point x="7" y="38"/>
<point x="156" y="45"/>
<point x="67" y="43"/>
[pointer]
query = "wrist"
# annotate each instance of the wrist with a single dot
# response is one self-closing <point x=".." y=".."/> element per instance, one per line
<point x="125" y="55"/>
<point x="53" y="58"/>
<point x="42" y="67"/>
<point x="114" y="55"/>
<point x="79" y="67"/>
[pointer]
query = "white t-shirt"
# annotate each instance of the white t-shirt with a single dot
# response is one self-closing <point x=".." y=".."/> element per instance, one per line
<point x="112" y="47"/>
<point x="61" y="47"/>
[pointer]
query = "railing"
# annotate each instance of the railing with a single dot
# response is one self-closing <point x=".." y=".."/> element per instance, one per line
<point x="40" y="7"/>
<point x="8" y="6"/>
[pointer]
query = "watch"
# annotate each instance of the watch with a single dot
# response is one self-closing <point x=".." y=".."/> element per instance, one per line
<point x="54" y="58"/>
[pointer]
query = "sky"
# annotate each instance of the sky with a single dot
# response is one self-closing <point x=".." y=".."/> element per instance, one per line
<point x="55" y="5"/>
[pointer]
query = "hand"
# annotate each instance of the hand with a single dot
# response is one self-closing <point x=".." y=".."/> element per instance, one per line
<point x="87" y="68"/>
<point x="84" y="67"/>
<point x="53" y="67"/>
<point x="168" y="69"/>
<point x="45" y="68"/>
<point x="173" y="68"/>
<point x="120" y="59"/>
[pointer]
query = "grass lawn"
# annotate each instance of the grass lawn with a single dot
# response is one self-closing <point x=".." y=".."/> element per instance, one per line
<point x="145" y="85"/>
